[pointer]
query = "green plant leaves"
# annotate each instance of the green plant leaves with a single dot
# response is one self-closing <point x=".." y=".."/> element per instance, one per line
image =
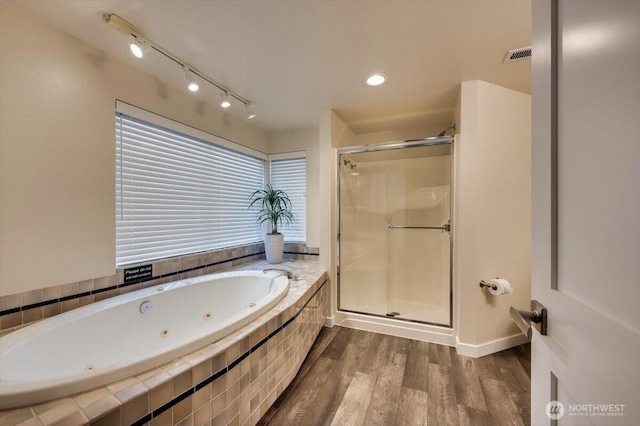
<point x="275" y="207"/>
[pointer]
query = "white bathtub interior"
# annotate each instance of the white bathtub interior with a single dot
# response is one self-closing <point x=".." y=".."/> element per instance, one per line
<point x="403" y="269"/>
<point x="113" y="339"/>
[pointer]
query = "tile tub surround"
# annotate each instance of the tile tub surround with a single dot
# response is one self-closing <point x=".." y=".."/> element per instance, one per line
<point x="233" y="381"/>
<point x="300" y="251"/>
<point x="17" y="310"/>
<point x="24" y="308"/>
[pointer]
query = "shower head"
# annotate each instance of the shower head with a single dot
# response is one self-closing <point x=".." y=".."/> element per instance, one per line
<point x="350" y="165"/>
<point x="444" y="132"/>
<point x="348" y="162"/>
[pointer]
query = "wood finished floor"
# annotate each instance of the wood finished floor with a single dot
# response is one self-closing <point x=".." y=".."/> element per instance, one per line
<point x="353" y="377"/>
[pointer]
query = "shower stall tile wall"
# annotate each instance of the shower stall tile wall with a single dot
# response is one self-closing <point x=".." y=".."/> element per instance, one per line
<point x="233" y="381"/>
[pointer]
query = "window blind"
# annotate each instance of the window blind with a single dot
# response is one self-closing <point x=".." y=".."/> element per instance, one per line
<point x="289" y="175"/>
<point x="177" y="194"/>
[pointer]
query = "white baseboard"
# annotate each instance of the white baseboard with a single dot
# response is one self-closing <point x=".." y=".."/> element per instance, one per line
<point x="477" y="351"/>
<point x="423" y="332"/>
<point x="394" y="327"/>
<point x="330" y="321"/>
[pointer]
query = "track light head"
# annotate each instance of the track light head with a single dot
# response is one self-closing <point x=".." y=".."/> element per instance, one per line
<point x="192" y="85"/>
<point x="225" y="100"/>
<point x="250" y="113"/>
<point x="138" y="47"/>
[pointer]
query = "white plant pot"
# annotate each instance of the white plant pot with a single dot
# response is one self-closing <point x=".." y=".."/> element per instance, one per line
<point x="274" y="247"/>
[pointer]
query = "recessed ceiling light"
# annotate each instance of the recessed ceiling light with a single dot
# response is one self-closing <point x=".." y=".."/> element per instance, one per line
<point x="376" y="79"/>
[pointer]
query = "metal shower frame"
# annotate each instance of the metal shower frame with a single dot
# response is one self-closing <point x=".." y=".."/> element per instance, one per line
<point x="386" y="146"/>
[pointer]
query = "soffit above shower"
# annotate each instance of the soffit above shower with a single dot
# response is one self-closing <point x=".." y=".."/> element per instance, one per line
<point x="292" y="59"/>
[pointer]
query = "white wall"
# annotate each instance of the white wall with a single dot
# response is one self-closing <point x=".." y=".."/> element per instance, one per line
<point x="303" y="140"/>
<point x="333" y="133"/>
<point x="492" y="222"/>
<point x="57" y="150"/>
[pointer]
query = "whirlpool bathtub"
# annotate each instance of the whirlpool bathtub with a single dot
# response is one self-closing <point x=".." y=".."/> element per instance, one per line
<point x="129" y="334"/>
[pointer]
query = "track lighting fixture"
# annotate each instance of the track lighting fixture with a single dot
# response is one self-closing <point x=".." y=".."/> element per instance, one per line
<point x="250" y="113"/>
<point x="191" y="84"/>
<point x="140" y="45"/>
<point x="225" y="100"/>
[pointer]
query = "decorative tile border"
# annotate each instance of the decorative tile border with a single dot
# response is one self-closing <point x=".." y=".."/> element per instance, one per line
<point x="123" y="285"/>
<point x="300" y="251"/>
<point x="233" y="381"/>
<point x="23" y="308"/>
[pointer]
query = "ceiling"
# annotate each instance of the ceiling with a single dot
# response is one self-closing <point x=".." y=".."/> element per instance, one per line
<point x="292" y="59"/>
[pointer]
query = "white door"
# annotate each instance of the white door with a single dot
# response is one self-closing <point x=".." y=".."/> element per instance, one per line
<point x="586" y="211"/>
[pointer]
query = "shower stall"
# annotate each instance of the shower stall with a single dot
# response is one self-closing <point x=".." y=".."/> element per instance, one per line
<point x="395" y="230"/>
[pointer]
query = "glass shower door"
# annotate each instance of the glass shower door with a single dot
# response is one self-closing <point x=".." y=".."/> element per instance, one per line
<point x="395" y="247"/>
<point x="419" y="252"/>
<point x="364" y="266"/>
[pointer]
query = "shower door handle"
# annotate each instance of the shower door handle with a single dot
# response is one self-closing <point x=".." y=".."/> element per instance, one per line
<point x="446" y="227"/>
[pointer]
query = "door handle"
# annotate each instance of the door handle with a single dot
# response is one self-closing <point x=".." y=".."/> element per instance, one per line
<point x="525" y="319"/>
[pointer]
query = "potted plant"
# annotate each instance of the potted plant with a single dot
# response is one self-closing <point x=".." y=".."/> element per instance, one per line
<point x="275" y="206"/>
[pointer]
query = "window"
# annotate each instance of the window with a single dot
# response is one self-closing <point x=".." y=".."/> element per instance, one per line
<point x="288" y="172"/>
<point x="179" y="190"/>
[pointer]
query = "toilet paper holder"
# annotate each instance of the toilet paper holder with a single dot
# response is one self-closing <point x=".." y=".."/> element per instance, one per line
<point x="491" y="286"/>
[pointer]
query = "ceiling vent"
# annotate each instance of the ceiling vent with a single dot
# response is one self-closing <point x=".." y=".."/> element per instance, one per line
<point x="518" y="54"/>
